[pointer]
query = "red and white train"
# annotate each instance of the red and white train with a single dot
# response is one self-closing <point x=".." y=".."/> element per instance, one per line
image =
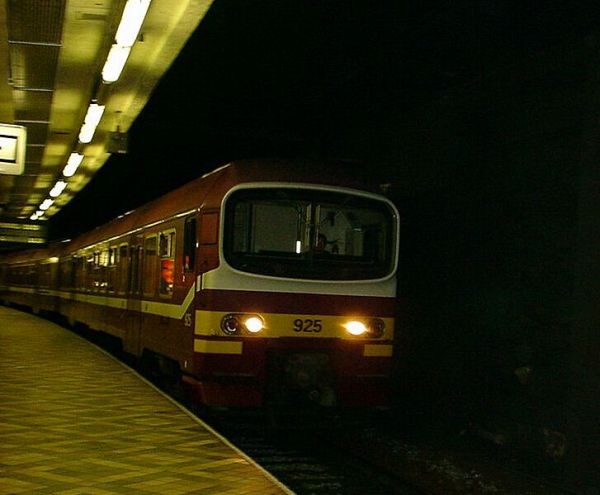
<point x="259" y="283"/>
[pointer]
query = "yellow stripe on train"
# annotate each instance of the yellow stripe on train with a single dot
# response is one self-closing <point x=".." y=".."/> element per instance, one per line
<point x="208" y="323"/>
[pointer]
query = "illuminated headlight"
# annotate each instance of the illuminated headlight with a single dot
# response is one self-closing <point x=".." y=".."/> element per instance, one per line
<point x="356" y="327"/>
<point x="254" y="324"/>
<point x="234" y="324"/>
<point x="373" y="328"/>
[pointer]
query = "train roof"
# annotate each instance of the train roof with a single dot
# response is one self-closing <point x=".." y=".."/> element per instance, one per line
<point x="208" y="191"/>
<point x="40" y="254"/>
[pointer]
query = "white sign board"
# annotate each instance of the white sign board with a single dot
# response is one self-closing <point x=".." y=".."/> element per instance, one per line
<point x="13" y="139"/>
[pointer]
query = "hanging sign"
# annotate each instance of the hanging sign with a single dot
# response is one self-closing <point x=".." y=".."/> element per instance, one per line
<point x="13" y="139"/>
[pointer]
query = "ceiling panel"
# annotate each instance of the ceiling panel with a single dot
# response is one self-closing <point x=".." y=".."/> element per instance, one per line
<point x="51" y="56"/>
<point x="35" y="20"/>
<point x="37" y="130"/>
<point x="33" y="66"/>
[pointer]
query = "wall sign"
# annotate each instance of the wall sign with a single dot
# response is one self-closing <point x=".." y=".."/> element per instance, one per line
<point x="13" y="139"/>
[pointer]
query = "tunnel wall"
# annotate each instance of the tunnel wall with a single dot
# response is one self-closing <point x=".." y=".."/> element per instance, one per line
<point x="497" y="183"/>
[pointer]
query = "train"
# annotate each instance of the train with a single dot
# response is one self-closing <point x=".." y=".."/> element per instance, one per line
<point x="262" y="283"/>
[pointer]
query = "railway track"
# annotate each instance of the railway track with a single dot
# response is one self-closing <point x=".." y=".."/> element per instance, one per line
<point x="313" y="454"/>
<point x="316" y="455"/>
<point x="310" y="461"/>
<point x="304" y="457"/>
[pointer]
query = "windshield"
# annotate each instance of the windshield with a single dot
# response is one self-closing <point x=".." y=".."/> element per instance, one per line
<point x="308" y="233"/>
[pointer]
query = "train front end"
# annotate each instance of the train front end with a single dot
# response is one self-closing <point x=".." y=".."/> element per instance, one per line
<point x="300" y="307"/>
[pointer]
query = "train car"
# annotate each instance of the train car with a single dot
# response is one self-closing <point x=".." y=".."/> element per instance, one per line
<point x="261" y="283"/>
<point x="29" y="278"/>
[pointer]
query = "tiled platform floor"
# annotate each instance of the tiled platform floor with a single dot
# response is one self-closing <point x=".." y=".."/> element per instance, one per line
<point x="74" y="421"/>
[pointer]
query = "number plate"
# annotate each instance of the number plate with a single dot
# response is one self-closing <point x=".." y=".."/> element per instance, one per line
<point x="307" y="325"/>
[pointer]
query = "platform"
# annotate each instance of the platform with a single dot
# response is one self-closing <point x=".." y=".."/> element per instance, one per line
<point x="73" y="420"/>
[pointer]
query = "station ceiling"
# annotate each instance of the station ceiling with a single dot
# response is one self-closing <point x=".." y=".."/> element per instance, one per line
<point x="52" y="53"/>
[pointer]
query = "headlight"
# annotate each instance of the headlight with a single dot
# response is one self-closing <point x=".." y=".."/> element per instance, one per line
<point x="356" y="328"/>
<point x="373" y="328"/>
<point x="254" y="324"/>
<point x="376" y="328"/>
<point x="235" y="324"/>
<point x="231" y="325"/>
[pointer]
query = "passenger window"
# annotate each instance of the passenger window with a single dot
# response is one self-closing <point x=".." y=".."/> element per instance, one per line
<point x="113" y="256"/>
<point x="93" y="278"/>
<point x="167" y="244"/>
<point x="166" y="248"/>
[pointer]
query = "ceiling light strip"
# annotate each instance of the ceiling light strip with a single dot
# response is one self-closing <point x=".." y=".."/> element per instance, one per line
<point x="128" y="31"/>
<point x="58" y="188"/>
<point x="91" y="121"/>
<point x="72" y="164"/>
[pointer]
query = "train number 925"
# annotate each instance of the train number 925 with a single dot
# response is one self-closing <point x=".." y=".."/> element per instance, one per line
<point x="307" y="325"/>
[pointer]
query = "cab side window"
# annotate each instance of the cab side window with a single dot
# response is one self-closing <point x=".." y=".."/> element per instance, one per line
<point x="189" y="244"/>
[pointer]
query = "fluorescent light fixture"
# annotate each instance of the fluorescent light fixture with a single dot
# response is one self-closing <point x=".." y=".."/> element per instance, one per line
<point x="128" y="31"/>
<point x="131" y="22"/>
<point x="114" y="63"/>
<point x="58" y="188"/>
<point x="72" y="164"/>
<point x="91" y="121"/>
<point x="47" y="203"/>
<point x="39" y="213"/>
<point x="33" y="217"/>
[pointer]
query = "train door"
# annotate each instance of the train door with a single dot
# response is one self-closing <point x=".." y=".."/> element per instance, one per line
<point x="132" y="340"/>
<point x="190" y="242"/>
